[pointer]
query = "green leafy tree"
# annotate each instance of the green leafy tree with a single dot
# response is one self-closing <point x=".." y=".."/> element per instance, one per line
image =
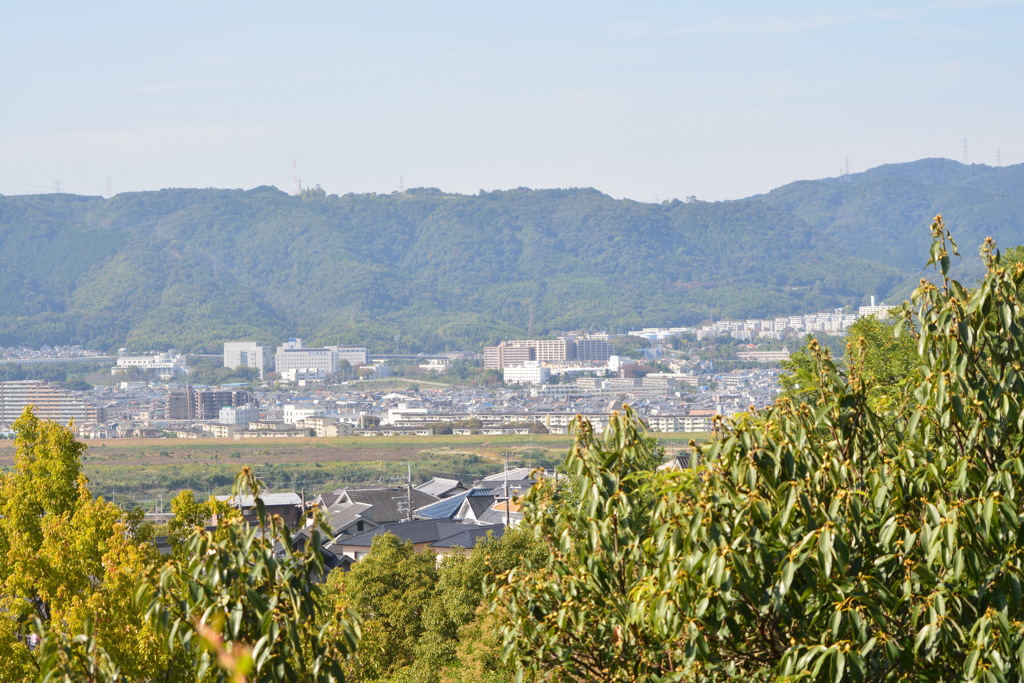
<point x="570" y="609"/>
<point x="459" y="600"/>
<point x="245" y="603"/>
<point x="837" y="538"/>
<point x="389" y="590"/>
<point x="190" y="515"/>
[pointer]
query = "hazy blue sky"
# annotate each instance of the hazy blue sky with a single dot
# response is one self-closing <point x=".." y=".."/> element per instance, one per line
<point x="638" y="99"/>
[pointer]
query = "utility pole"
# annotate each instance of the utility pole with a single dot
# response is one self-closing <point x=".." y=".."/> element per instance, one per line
<point x="508" y="502"/>
<point x="408" y="489"/>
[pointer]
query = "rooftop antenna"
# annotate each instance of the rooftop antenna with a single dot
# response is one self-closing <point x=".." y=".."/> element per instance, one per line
<point x="296" y="179"/>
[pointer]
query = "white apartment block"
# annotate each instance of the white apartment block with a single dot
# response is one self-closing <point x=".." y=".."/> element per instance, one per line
<point x="247" y="355"/>
<point x="293" y="356"/>
<point x="294" y="413"/>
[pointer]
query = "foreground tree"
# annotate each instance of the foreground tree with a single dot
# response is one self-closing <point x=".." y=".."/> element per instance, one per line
<point x="841" y="537"/>
<point x="244" y="602"/>
<point x="389" y="589"/>
<point x="68" y="566"/>
<point x="84" y="596"/>
<point x="570" y="608"/>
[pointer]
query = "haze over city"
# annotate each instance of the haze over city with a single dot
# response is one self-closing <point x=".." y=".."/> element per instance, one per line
<point x="650" y="100"/>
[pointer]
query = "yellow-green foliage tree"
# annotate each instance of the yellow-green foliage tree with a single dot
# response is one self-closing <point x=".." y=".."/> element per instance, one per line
<point x="84" y="596"/>
<point x="69" y="563"/>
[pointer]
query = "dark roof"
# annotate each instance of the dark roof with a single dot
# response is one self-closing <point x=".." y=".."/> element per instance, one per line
<point x="497" y="516"/>
<point x="417" y="531"/>
<point x="328" y="499"/>
<point x="386" y="502"/>
<point x="468" y="537"/>
<point x="480" y="504"/>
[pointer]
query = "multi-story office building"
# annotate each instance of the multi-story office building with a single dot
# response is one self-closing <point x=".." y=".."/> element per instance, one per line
<point x="248" y="355"/>
<point x="292" y="355"/>
<point x="239" y="415"/>
<point x="50" y="401"/>
<point x="353" y="355"/>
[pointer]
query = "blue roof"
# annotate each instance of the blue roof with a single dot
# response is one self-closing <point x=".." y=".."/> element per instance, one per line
<point x="443" y="509"/>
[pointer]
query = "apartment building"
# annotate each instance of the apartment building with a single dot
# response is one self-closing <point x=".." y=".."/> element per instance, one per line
<point x="50" y="402"/>
<point x="205" y="404"/>
<point x="520" y="351"/>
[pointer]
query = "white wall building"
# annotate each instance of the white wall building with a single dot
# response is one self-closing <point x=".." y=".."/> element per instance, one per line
<point x="354" y="355"/>
<point x="294" y="413"/>
<point x="247" y="355"/>
<point x="292" y="355"/>
<point x="239" y="415"/>
<point x="530" y="372"/>
<point x="165" y="364"/>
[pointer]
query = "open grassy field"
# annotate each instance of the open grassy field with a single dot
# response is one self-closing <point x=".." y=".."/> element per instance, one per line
<point x="140" y="471"/>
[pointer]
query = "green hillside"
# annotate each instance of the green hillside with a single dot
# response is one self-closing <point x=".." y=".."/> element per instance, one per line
<point x="878" y="214"/>
<point x="190" y="268"/>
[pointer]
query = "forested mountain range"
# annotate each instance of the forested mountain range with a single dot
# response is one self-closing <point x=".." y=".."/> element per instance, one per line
<point x="191" y="268"/>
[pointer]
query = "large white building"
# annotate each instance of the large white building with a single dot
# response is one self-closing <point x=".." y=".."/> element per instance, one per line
<point x="247" y="355"/>
<point x="292" y="355"/>
<point x="239" y="415"/>
<point x="530" y="372"/>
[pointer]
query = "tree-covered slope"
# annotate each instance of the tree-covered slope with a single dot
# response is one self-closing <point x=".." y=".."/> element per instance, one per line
<point x="191" y="268"/>
<point x="877" y="214"/>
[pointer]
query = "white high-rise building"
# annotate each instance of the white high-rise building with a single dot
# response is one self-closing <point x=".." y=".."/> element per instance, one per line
<point x="247" y="355"/>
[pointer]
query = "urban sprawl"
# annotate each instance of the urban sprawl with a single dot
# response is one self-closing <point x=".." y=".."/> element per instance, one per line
<point x="322" y="392"/>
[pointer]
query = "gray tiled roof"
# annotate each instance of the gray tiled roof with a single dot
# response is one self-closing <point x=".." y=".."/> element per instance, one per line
<point x="441" y="487"/>
<point x="417" y="531"/>
<point x="468" y="538"/>
<point x="386" y="502"/>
